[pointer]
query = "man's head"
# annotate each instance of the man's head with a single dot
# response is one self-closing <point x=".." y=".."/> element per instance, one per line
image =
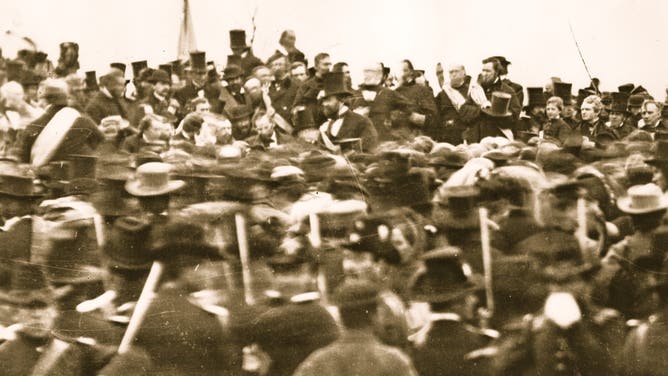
<point x="298" y="71"/>
<point x="253" y="87"/>
<point x="263" y="74"/>
<point x="200" y="105"/>
<point x="591" y="108"/>
<point x="490" y="72"/>
<point x="553" y="107"/>
<point x="331" y="106"/>
<point x="650" y="112"/>
<point x="264" y="126"/>
<point x="52" y="91"/>
<point x="162" y="83"/>
<point x="240" y="117"/>
<point x="223" y="131"/>
<point x="153" y="128"/>
<point x="457" y="74"/>
<point x="278" y="66"/>
<point x="373" y="74"/>
<point x="407" y="71"/>
<point x="617" y="118"/>
<point x="114" y="82"/>
<point x="323" y="64"/>
<point x="288" y="39"/>
<point x="343" y="67"/>
<point x="358" y="303"/>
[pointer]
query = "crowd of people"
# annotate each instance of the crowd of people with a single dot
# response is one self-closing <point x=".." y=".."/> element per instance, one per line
<point x="274" y="218"/>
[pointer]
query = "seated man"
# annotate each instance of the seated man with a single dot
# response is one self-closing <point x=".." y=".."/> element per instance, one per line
<point x="153" y="131"/>
<point x="266" y="137"/>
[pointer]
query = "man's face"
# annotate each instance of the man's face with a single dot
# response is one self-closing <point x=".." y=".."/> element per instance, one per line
<point x="650" y="114"/>
<point x="488" y="75"/>
<point x="116" y="86"/>
<point x="289" y="40"/>
<point x="330" y="106"/>
<point x="299" y="73"/>
<point x="634" y="110"/>
<point x="568" y="112"/>
<point x="324" y="66"/>
<point x="346" y="73"/>
<point x="254" y="89"/>
<point x="279" y="67"/>
<point x="161" y="88"/>
<point x="538" y="111"/>
<point x="264" y="126"/>
<point x="242" y="124"/>
<point x="587" y="112"/>
<point x="224" y="131"/>
<point x="158" y="131"/>
<point x="198" y="77"/>
<point x="234" y="84"/>
<point x="202" y="108"/>
<point x="552" y="111"/>
<point x="264" y="75"/>
<point x="616" y="118"/>
<point x="406" y="72"/>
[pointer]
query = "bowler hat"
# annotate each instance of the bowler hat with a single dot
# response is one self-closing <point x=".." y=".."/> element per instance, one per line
<point x="642" y="199"/>
<point x="334" y="83"/>
<point x="152" y="179"/>
<point x="127" y="247"/>
<point x="167" y="68"/>
<point x="635" y="100"/>
<point x="160" y="75"/>
<point x="536" y="96"/>
<point x="91" y="81"/>
<point x="500" y="105"/>
<point x="626" y="88"/>
<point x="232" y="71"/>
<point x="563" y="90"/>
<point x="238" y="38"/>
<point x="444" y="278"/>
<point x="198" y="61"/>
<point x="138" y="66"/>
<point x="17" y="182"/>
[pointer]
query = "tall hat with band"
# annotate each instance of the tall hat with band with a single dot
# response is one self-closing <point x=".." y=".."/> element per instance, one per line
<point x="536" y="97"/>
<point x="65" y="260"/>
<point x="120" y="66"/>
<point x="137" y="67"/>
<point x="444" y="279"/>
<point x="334" y="83"/>
<point x="198" y="61"/>
<point x="128" y="245"/>
<point x="660" y="157"/>
<point x="238" y="38"/>
<point x="563" y="90"/>
<point x="619" y="102"/>
<point x="167" y="68"/>
<point x="91" y="81"/>
<point x="500" y="105"/>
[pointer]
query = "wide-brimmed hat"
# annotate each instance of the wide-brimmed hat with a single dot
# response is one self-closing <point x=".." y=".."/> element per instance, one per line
<point x="500" y="105"/>
<point x="152" y="179"/>
<point x="444" y="278"/>
<point x="356" y="293"/>
<point x="127" y="247"/>
<point x="641" y="199"/>
<point x="160" y="75"/>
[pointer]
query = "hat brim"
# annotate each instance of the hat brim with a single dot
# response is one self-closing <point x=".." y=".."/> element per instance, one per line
<point x="491" y="113"/>
<point x="343" y="93"/>
<point x="419" y="294"/>
<point x="82" y="274"/>
<point x="134" y="188"/>
<point x="624" y="204"/>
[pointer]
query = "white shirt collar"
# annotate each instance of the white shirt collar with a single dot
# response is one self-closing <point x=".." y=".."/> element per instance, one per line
<point x="106" y="92"/>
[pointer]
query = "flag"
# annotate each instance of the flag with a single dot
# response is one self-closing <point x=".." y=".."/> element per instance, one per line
<point x="187" y="34"/>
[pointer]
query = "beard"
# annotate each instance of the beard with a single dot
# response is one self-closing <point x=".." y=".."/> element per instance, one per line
<point x="487" y="81"/>
<point x="329" y="112"/>
<point x="225" y="139"/>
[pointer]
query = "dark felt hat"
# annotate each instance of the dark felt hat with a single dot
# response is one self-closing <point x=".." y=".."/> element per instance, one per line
<point x="233" y="60"/>
<point x="198" y="61"/>
<point x="83" y="166"/>
<point x="635" y="100"/>
<point x="177" y="67"/>
<point x="660" y="157"/>
<point x="238" y="112"/>
<point x="119" y="66"/>
<point x="27" y="285"/>
<point x="500" y="105"/>
<point x="444" y="278"/>
<point x="15" y="69"/>
<point x="91" y="81"/>
<point x="334" y="83"/>
<point x="232" y="71"/>
<point x="355" y="293"/>
<point x="18" y="182"/>
<point x="160" y="75"/>
<point x="563" y="90"/>
<point x="167" y="68"/>
<point x="238" y="38"/>
<point x="303" y="119"/>
<point x="138" y="66"/>
<point x="127" y="247"/>
<point x="536" y="96"/>
<point x="626" y="88"/>
<point x="619" y="102"/>
<point x="180" y="244"/>
<point x="65" y="260"/>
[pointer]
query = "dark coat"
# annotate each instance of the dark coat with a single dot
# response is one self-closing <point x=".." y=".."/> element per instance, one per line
<point x="283" y="94"/>
<point x="289" y="333"/>
<point x="357" y="126"/>
<point x="445" y="348"/>
<point x="307" y="95"/>
<point x="558" y="129"/>
<point x="382" y="109"/>
<point x="488" y="126"/>
<point x="157" y="106"/>
<point x="248" y="62"/>
<point x="82" y="138"/>
<point x="451" y="123"/>
<point x="518" y="226"/>
<point x="519" y="90"/>
<point x="100" y="106"/>
<point x="423" y="103"/>
<point x="189" y="92"/>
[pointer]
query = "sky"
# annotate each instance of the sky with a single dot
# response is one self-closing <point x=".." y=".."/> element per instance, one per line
<point x="621" y="40"/>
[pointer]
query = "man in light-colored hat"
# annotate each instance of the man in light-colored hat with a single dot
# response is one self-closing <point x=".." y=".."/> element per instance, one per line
<point x="60" y="132"/>
<point x="152" y="186"/>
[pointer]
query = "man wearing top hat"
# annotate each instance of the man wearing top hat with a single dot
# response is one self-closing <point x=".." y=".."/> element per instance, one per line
<point x="618" y="116"/>
<point x="563" y="90"/>
<point x="533" y="119"/>
<point x="489" y="82"/>
<point x="493" y="121"/>
<point x="196" y="85"/>
<point x="241" y="49"/>
<point x="159" y="102"/>
<point x="343" y="123"/>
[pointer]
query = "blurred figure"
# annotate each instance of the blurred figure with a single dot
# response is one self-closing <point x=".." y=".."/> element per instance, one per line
<point x="287" y="48"/>
<point x="153" y="130"/>
<point x="107" y="101"/>
<point x="298" y="72"/>
<point x="15" y="114"/>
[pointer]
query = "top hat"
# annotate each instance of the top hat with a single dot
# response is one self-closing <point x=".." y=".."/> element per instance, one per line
<point x="641" y="199"/>
<point x="127" y="247"/>
<point x="238" y="38"/>
<point x="500" y="105"/>
<point x="167" y="68"/>
<point x="619" y="102"/>
<point x="303" y="119"/>
<point x="334" y="83"/>
<point x="198" y="61"/>
<point x="536" y="96"/>
<point x="160" y="75"/>
<point x="635" y="100"/>
<point x="119" y="66"/>
<point x="233" y="60"/>
<point x="640" y="90"/>
<point x="82" y="166"/>
<point x="563" y="90"/>
<point x="91" y="81"/>
<point x="444" y="278"/>
<point x="626" y="88"/>
<point x="232" y="71"/>
<point x="152" y="179"/>
<point x="137" y="67"/>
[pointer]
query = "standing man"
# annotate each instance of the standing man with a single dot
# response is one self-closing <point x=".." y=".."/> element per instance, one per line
<point x="307" y="95"/>
<point x="517" y="88"/>
<point x="242" y="50"/>
<point x="422" y="97"/>
<point x="343" y="123"/>
<point x="563" y="90"/>
<point x="450" y="102"/>
<point x="298" y="72"/>
<point x="283" y="89"/>
<point x="233" y="94"/>
<point x="196" y="86"/>
<point x="108" y="100"/>
<point x="287" y="48"/>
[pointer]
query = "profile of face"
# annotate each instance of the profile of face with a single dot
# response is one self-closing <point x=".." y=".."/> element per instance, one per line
<point x="552" y="111"/>
<point x="264" y="75"/>
<point x="299" y="73"/>
<point x="109" y="128"/>
<point x="161" y="88"/>
<point x="488" y="74"/>
<point x="330" y="106"/>
<point x="587" y="112"/>
<point x="616" y="119"/>
<point x="264" y="126"/>
<point x="568" y="112"/>
<point x="650" y="113"/>
<point x="279" y="67"/>
<point x="324" y="66"/>
<point x="346" y="73"/>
